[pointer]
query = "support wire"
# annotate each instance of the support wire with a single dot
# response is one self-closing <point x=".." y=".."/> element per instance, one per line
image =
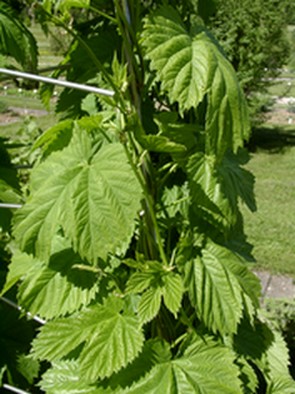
<point x="8" y="205"/>
<point x="66" y="84"/>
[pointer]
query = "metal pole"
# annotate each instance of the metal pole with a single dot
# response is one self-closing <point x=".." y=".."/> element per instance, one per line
<point x="58" y="82"/>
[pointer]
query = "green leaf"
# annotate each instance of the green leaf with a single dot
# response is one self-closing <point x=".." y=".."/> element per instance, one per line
<point x="16" y="40"/>
<point x="220" y="288"/>
<point x="281" y="385"/>
<point x="20" y="265"/>
<point x="16" y="334"/>
<point x="109" y="340"/>
<point x="118" y="342"/>
<point x="280" y="381"/>
<point x="58" y="288"/>
<point x="64" y="378"/>
<point x="65" y="5"/>
<point x="59" y="136"/>
<point x="199" y="370"/>
<point x="252" y="341"/>
<point x="227" y="121"/>
<point x="176" y="200"/>
<point x="158" y="143"/>
<point x="156" y="281"/>
<point x="150" y="304"/>
<point x="184" y="134"/>
<point x="91" y="193"/>
<point x="155" y="351"/>
<point x="28" y="367"/>
<point x="216" y="187"/>
<point x="191" y="66"/>
<point x="206" y="190"/>
<point x="138" y="282"/>
<point x="55" y="138"/>
<point x="9" y="186"/>
<point x="172" y="292"/>
<point x="247" y="376"/>
<point x="237" y="181"/>
<point x="179" y="60"/>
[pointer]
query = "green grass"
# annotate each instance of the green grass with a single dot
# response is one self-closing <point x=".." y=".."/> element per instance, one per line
<point x="272" y="228"/>
<point x="22" y="101"/>
<point x="11" y="130"/>
<point x="283" y="89"/>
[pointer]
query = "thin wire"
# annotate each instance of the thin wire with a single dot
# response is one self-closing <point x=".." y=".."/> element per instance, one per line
<point x="19" y="308"/>
<point x="7" y="205"/>
<point x="67" y="84"/>
<point x="14" y="389"/>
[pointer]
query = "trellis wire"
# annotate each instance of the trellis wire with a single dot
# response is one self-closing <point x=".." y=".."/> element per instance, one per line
<point x="19" y="308"/>
<point x="14" y="389"/>
<point x="8" y="205"/>
<point x="53" y="81"/>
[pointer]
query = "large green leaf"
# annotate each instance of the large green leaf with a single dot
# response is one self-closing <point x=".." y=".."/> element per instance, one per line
<point x="221" y="288"/>
<point x="65" y="377"/>
<point x="108" y="339"/>
<point x="91" y="192"/>
<point x="191" y="66"/>
<point x="16" y="40"/>
<point x="199" y="370"/>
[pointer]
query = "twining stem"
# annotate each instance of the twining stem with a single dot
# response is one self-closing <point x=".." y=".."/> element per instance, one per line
<point x="150" y="205"/>
<point x="129" y="39"/>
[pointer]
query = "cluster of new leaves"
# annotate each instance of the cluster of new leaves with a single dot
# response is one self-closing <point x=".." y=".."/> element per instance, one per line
<point x="131" y="242"/>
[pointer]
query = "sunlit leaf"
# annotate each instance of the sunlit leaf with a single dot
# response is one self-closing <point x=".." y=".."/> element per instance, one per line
<point x="110" y="340"/>
<point x="93" y="195"/>
<point x="190" y="66"/>
<point x="198" y="370"/>
<point x="217" y="282"/>
<point x="149" y="304"/>
<point x="173" y="292"/>
<point x="58" y="288"/>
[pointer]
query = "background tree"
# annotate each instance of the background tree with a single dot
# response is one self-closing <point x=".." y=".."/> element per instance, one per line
<point x="253" y="34"/>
